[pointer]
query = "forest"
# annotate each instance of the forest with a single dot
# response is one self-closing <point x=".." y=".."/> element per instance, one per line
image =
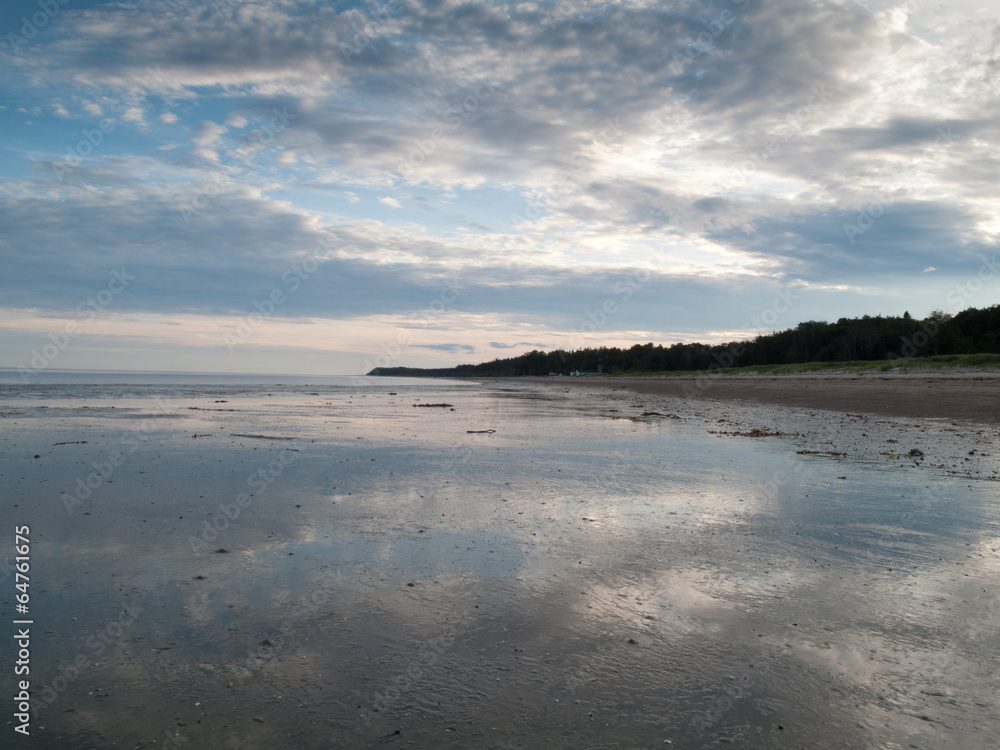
<point x="972" y="331"/>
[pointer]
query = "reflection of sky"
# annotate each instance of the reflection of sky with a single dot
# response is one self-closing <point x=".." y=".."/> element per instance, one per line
<point x="569" y="522"/>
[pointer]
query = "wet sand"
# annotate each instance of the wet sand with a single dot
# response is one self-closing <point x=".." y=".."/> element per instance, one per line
<point x="972" y="395"/>
<point x="606" y="569"/>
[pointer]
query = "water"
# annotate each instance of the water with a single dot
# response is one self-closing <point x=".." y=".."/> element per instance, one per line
<point x="65" y="378"/>
<point x="581" y="577"/>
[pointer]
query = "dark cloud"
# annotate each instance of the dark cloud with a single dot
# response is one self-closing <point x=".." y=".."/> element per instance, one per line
<point x="498" y="345"/>
<point x="883" y="237"/>
<point x="450" y="348"/>
<point x="902" y="134"/>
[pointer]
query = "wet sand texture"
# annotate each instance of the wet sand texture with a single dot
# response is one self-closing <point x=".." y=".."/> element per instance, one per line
<point x="969" y="395"/>
<point x="535" y="568"/>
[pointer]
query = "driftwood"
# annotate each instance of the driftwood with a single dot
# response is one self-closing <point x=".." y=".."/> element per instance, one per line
<point x="427" y="405"/>
<point x="480" y="432"/>
<point x="262" y="437"/>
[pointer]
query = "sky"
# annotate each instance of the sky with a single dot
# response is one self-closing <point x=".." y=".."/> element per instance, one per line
<point x="309" y="187"/>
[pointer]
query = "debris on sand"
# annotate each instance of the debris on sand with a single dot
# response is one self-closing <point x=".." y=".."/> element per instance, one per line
<point x="756" y="432"/>
<point x="480" y="432"/>
<point x="820" y="453"/>
<point x="72" y="442"/>
<point x="447" y="406"/>
<point x="658" y="414"/>
<point x="261" y="437"/>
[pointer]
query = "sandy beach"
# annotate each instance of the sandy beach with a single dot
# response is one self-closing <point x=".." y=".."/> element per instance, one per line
<point x="972" y="395"/>
<point x="515" y="565"/>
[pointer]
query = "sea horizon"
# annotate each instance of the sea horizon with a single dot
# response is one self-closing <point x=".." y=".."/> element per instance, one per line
<point x="17" y="376"/>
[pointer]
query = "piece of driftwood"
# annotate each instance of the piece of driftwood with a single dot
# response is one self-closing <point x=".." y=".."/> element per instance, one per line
<point x="262" y="437"/>
<point x="480" y="432"/>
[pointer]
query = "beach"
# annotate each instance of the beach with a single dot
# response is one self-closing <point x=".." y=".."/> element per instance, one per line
<point x="502" y="564"/>
<point x="951" y="394"/>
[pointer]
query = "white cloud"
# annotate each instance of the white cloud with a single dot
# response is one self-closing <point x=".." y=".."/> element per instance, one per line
<point x="391" y="202"/>
<point x="207" y="133"/>
<point x="236" y="119"/>
<point x="134" y="114"/>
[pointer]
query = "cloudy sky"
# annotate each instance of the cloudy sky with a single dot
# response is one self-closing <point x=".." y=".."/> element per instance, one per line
<point x="318" y="187"/>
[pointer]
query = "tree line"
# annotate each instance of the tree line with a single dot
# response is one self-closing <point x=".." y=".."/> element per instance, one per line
<point x="972" y="331"/>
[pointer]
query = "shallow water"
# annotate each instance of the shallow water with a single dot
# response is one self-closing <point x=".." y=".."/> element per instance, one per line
<point x="582" y="577"/>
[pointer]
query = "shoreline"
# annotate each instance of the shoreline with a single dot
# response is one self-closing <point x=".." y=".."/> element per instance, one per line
<point x="972" y="395"/>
